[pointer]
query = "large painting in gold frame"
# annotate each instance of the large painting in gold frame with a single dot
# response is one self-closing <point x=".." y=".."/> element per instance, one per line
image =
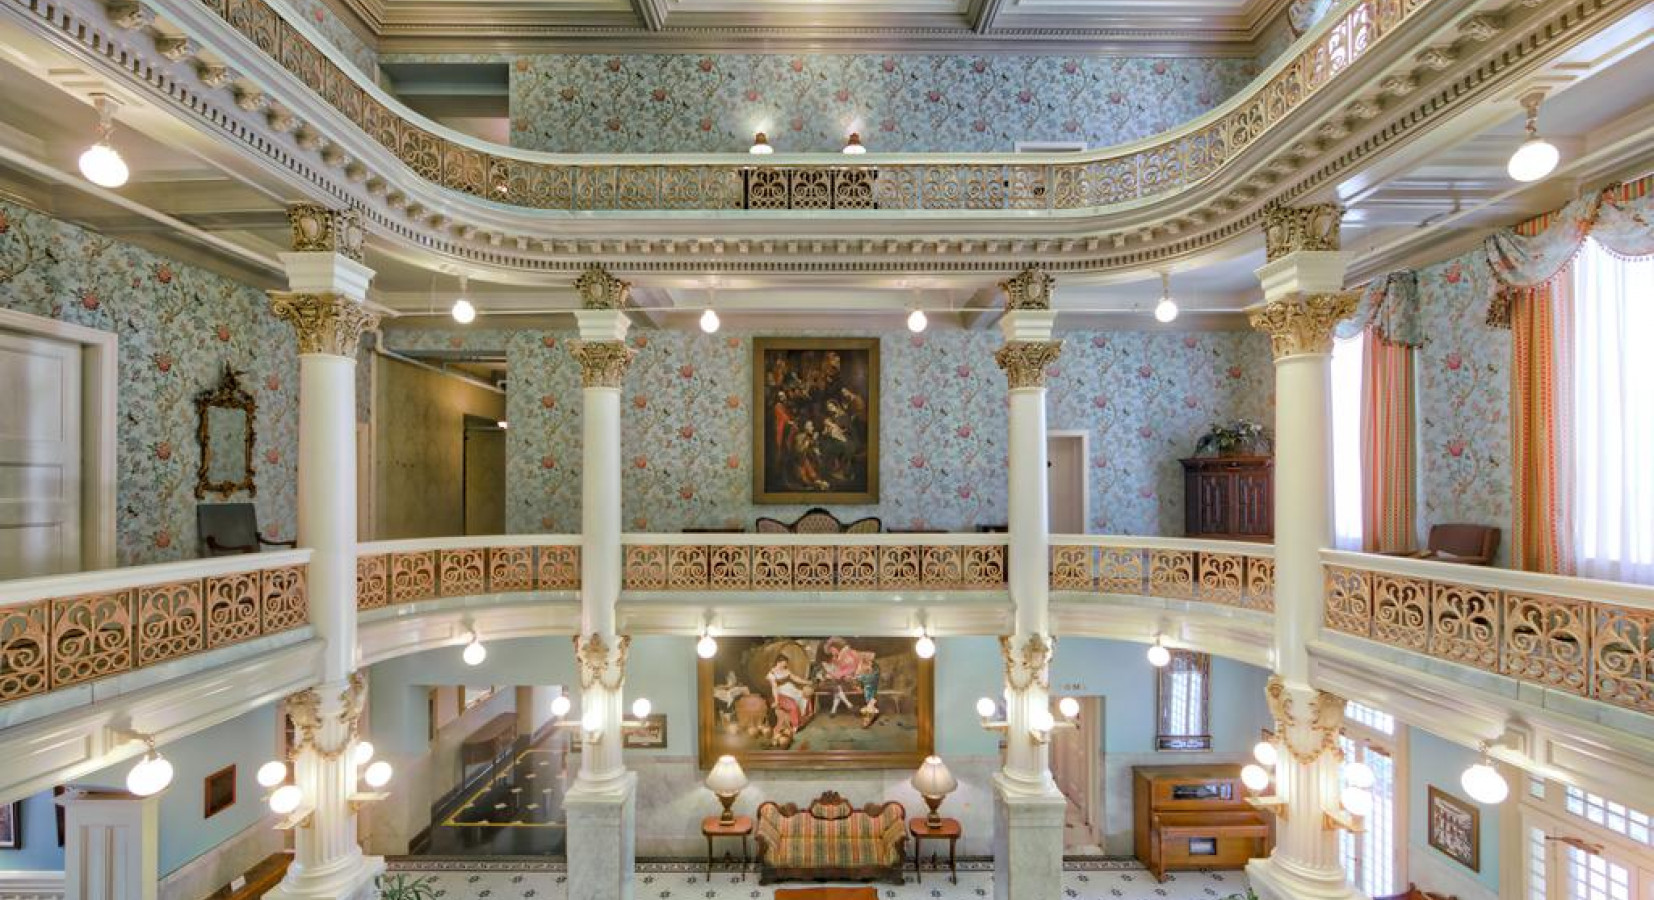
<point x="815" y="436"/>
<point x="817" y="703"/>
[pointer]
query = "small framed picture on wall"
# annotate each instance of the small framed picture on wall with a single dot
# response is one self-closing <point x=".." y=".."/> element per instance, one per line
<point x="1455" y="828"/>
<point x="11" y="826"/>
<point x="219" y="791"/>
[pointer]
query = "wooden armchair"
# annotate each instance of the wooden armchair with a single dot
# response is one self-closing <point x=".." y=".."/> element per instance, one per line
<point x="1470" y="545"/>
<point x="225" y="529"/>
<point x="820" y="521"/>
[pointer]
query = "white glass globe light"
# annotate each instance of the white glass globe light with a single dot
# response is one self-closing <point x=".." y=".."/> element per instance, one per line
<point x="1069" y="707"/>
<point x="286" y="799"/>
<point x="1359" y="775"/>
<point x="761" y="145"/>
<point x="1266" y="754"/>
<point x="1159" y="656"/>
<point x="1254" y="777"/>
<point x="272" y="773"/>
<point x="363" y="752"/>
<point x="924" y="647"/>
<point x="854" y="146"/>
<point x="377" y="775"/>
<point x="474" y="653"/>
<point x="706" y="647"/>
<point x="1165" y="310"/>
<point x="917" y="321"/>
<point x="463" y="312"/>
<point x="985" y="707"/>
<point x="103" y="166"/>
<point x="1484" y="784"/>
<point x="1532" y="161"/>
<point x="641" y="707"/>
<point x="591" y="720"/>
<point x="560" y="706"/>
<point x="150" y="776"/>
<point x="1356" y="801"/>
<point x="1041" y="720"/>
<point x="709" y="322"/>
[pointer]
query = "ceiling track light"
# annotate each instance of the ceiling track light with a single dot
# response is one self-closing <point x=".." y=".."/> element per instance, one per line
<point x="101" y="163"/>
<point x="1537" y="157"/>
<point x="1166" y="310"/>
<point x="462" y="311"/>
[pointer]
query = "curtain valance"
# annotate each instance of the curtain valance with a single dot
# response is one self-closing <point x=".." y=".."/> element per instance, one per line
<point x="1520" y="263"/>
<point x="1390" y="304"/>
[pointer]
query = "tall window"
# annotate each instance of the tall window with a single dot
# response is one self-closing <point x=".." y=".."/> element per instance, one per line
<point x="1613" y="416"/>
<point x="1346" y="441"/>
<point x="1184" y="686"/>
<point x="1370" y="857"/>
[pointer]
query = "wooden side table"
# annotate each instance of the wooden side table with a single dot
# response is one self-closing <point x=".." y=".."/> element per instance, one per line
<point x="948" y="830"/>
<point x="714" y="829"/>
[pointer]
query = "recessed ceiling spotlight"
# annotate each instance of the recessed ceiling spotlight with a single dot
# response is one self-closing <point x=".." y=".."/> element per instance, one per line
<point x="1537" y="157"/>
<point x="761" y="145"/>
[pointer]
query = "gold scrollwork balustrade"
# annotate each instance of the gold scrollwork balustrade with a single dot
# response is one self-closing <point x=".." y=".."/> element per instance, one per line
<point x="1226" y="579"/>
<point x="798" y="567"/>
<point x="389" y="579"/>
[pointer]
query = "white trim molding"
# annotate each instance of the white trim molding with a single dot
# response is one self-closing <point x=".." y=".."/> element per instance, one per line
<point x="26" y="885"/>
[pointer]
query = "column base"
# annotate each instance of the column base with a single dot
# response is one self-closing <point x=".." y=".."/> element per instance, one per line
<point x="349" y="878"/>
<point x="1276" y="879"/>
<point x="1027" y="841"/>
<point x="602" y="838"/>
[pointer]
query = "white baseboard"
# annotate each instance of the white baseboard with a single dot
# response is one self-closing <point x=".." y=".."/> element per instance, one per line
<point x="31" y="886"/>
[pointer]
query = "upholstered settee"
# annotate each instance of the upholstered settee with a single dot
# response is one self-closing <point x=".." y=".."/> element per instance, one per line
<point x="831" y="840"/>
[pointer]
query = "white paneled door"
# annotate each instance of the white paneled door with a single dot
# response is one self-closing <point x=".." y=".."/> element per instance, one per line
<point x="40" y="447"/>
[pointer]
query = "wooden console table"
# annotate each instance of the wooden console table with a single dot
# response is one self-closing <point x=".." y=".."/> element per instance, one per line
<point x="714" y="829"/>
<point x="947" y="830"/>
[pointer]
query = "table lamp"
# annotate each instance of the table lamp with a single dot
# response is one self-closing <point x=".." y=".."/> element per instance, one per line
<point x="933" y="781"/>
<point x="727" y="781"/>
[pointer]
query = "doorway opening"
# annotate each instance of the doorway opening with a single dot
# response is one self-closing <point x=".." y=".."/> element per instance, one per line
<point x="1077" y="767"/>
<point x="1065" y="473"/>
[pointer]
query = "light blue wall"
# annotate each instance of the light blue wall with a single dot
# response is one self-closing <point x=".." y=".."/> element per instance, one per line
<point x="1433" y="761"/>
<point x="247" y="742"/>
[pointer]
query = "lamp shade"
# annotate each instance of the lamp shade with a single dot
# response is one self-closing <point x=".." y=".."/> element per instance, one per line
<point x="726" y="777"/>
<point x="933" y="778"/>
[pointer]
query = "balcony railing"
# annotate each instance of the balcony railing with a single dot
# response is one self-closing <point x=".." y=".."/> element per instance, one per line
<point x="775" y="562"/>
<point x="1590" y="638"/>
<point x="1228" y="573"/>
<point x="389" y="573"/>
<point x="66" y="630"/>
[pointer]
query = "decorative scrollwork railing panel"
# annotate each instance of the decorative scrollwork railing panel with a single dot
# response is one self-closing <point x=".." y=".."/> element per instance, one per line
<point x="790" y="566"/>
<point x="1169" y="570"/>
<point x="394" y="573"/>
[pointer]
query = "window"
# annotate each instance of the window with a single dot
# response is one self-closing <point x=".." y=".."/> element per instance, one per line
<point x="1616" y="817"/>
<point x="1346" y="441"/>
<point x="1376" y="719"/>
<point x="1184" y="701"/>
<point x="1369" y="858"/>
<point x="1613" y="416"/>
<point x="1591" y="877"/>
<point x="1539" y="849"/>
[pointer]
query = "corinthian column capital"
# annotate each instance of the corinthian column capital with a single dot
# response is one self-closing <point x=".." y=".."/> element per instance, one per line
<point x="1307" y="720"/>
<point x="325" y="323"/>
<point x="600" y="664"/>
<point x="1025" y="362"/>
<point x="602" y="363"/>
<point x="600" y="290"/>
<point x="1028" y="289"/>
<point x="1029" y="664"/>
<point x="1303" y="325"/>
<point x="1288" y="229"/>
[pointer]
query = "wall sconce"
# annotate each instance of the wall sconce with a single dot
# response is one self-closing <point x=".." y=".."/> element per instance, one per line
<point x="591" y="720"/>
<point x="152" y="774"/>
<point x="1258" y="776"/>
<point x="375" y="776"/>
<point x="1042" y="721"/>
<point x="1355" y="799"/>
<point x="288" y="800"/>
<point x="707" y="646"/>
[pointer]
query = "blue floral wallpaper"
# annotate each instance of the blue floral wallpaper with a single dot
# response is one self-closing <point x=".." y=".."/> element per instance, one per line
<point x="319" y="16"/>
<point x="177" y="326"/>
<point x="684" y="103"/>
<point x="1143" y="396"/>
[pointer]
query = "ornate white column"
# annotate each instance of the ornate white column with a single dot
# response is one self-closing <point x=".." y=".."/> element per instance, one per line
<point x="325" y="304"/>
<point x="601" y="805"/>
<point x="1303" y="299"/>
<point x="1028" y="808"/>
<point x="111" y="845"/>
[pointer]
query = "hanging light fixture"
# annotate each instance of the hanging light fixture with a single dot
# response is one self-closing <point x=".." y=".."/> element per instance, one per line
<point x="1483" y="782"/>
<point x="709" y="322"/>
<point x="761" y="145"/>
<point x="462" y="311"/>
<point x="151" y="775"/>
<point x="474" y="652"/>
<point x="854" y="146"/>
<point x="917" y="321"/>
<point x="925" y="646"/>
<point x="101" y="164"/>
<point x="1166" y="309"/>
<point x="1158" y="654"/>
<point x="706" y="647"/>
<point x="1536" y="157"/>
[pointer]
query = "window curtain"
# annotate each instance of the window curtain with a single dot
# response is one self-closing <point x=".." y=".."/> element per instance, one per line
<point x="1540" y="432"/>
<point x="1388" y="315"/>
<point x="1347" y="503"/>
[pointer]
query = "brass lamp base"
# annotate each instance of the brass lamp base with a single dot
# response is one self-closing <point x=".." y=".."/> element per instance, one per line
<point x="934" y="820"/>
<point x="727" y="817"/>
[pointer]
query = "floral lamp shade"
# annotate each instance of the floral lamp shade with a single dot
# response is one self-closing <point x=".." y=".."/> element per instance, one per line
<point x="727" y="780"/>
<point x="933" y="781"/>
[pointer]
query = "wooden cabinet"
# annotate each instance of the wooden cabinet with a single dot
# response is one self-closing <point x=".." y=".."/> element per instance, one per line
<point x="1194" y="817"/>
<point x="1229" y="497"/>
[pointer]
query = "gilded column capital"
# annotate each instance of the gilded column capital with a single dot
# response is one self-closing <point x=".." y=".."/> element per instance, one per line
<point x="599" y="665"/>
<point x="602" y="363"/>
<point x="1287" y="229"/>
<point x="312" y="718"/>
<point x="1307" y="720"/>
<point x="1304" y="325"/>
<point x="325" y="323"/>
<point x="600" y="290"/>
<point x="1025" y="362"/>
<point x="1028" y="289"/>
<point x="1029" y="664"/>
<point x="318" y="229"/>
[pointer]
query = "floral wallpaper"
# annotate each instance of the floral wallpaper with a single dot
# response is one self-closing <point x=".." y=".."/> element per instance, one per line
<point x="177" y="326"/>
<point x="684" y="103"/>
<point x="686" y="418"/>
<point x="319" y="16"/>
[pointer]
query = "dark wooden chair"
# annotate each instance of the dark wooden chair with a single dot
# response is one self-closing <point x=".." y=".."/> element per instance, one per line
<point x="225" y="529"/>
<point x="819" y="521"/>
<point x="1470" y="545"/>
<point x="1413" y="892"/>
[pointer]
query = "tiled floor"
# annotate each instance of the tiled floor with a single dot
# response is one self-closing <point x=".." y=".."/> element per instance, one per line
<point x="1102" y="879"/>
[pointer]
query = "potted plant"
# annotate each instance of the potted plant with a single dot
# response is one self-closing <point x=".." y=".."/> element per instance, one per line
<point x="1238" y="438"/>
<point x="406" y="887"/>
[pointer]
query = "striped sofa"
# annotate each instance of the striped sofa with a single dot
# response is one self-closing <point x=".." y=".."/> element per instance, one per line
<point x="831" y="841"/>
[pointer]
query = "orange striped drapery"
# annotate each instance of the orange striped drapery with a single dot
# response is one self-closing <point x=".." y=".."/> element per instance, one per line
<point x="1541" y="368"/>
<point x="1388" y="475"/>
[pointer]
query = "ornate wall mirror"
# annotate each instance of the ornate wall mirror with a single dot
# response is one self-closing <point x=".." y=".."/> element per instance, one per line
<point x="226" y="436"/>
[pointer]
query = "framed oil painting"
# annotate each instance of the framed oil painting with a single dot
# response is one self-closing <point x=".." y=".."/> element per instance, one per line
<point x="1455" y="829"/>
<point x="816" y="436"/>
<point x="11" y="825"/>
<point x="651" y="736"/>
<point x="218" y="792"/>
<point x="816" y="703"/>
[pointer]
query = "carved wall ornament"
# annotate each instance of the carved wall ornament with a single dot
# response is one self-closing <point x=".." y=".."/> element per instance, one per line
<point x="305" y="709"/>
<point x="128" y="16"/>
<point x="174" y="47"/>
<point x="1304" y="325"/>
<point x="1307" y="740"/>
<point x="1287" y="229"/>
<point x="598" y="666"/>
<point x="1025" y="362"/>
<point x="602" y="363"/>
<point x="325" y="323"/>
<point x="1029" y="666"/>
<point x="318" y="229"/>
<point x="600" y="290"/>
<point x="1029" y="289"/>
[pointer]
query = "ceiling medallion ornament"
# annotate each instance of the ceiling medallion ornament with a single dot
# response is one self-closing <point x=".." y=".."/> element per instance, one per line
<point x="1288" y="229"/>
<point x="600" y="290"/>
<point x="602" y="363"/>
<point x="1025" y="362"/>
<point x="1325" y="720"/>
<point x="1029" y="289"/>
<point x="1300" y="326"/>
<point x="325" y="323"/>
<point x="599" y="667"/>
<point x="1030" y="666"/>
<point x="318" y="229"/>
